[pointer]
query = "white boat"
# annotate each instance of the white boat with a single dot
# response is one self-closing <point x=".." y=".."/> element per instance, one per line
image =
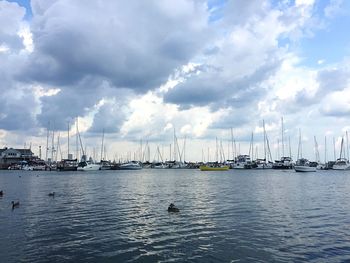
<point x="133" y="165"/>
<point x="262" y="164"/>
<point x="341" y="164"/>
<point x="284" y="163"/>
<point x="303" y="165"/>
<point x="242" y="162"/>
<point x="159" y="166"/>
<point x="88" y="166"/>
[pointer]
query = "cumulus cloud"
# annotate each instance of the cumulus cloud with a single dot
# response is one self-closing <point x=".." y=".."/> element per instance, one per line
<point x="135" y="45"/>
<point x="11" y="15"/>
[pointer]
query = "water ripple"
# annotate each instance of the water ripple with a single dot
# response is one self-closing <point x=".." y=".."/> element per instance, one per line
<point x="239" y="216"/>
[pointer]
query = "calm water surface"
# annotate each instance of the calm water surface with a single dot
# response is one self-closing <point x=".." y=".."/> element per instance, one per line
<point x="121" y="216"/>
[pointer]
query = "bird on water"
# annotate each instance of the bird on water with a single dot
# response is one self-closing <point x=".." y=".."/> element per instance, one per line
<point x="15" y="204"/>
<point x="173" y="208"/>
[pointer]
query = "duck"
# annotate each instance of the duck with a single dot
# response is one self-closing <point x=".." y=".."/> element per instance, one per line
<point x="173" y="208"/>
<point x="52" y="194"/>
<point x="1" y="193"/>
<point x="15" y="204"/>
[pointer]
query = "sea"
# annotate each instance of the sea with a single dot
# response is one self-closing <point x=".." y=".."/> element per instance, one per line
<point x="227" y="216"/>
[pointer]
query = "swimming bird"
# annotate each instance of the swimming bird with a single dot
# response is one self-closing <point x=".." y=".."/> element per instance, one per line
<point x="15" y="204"/>
<point x="173" y="208"/>
<point x="52" y="194"/>
<point x="1" y="193"/>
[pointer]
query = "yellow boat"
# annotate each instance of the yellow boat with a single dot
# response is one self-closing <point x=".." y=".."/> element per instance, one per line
<point x="212" y="168"/>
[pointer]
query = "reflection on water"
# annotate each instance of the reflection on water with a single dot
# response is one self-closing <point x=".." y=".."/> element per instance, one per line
<point x="256" y="216"/>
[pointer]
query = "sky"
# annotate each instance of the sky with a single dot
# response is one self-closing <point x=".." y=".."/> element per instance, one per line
<point x="135" y="72"/>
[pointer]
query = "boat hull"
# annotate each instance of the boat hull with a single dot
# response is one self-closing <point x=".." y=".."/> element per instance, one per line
<point x="300" y="168"/>
<point x="89" y="168"/>
<point x="341" y="167"/>
<point x="66" y="169"/>
<point x="207" y="168"/>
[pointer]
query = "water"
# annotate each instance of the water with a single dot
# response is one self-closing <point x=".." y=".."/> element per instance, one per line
<point x="121" y="216"/>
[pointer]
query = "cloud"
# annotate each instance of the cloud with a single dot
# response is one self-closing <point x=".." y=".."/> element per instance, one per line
<point x="135" y="45"/>
<point x="333" y="8"/>
<point x="109" y="118"/>
<point x="233" y="75"/>
<point x="11" y="15"/>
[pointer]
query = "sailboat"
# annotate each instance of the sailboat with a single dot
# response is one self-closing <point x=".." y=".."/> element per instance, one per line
<point x="68" y="164"/>
<point x="265" y="163"/>
<point x="302" y="164"/>
<point x="341" y="163"/>
<point x="286" y="162"/>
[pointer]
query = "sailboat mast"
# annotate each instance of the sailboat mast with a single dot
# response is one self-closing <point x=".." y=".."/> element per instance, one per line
<point x="174" y="146"/>
<point x="282" y="137"/>
<point x="290" y="149"/>
<point x="216" y="149"/>
<point x="233" y="151"/>
<point x="170" y="152"/>
<point x="325" y="150"/>
<point x="47" y="141"/>
<point x="103" y="136"/>
<point x="185" y="149"/>
<point x="299" y="145"/>
<point x="68" y="140"/>
<point x="52" y="144"/>
<point x="252" y="146"/>
<point x="264" y="141"/>
<point x="341" y="147"/>
<point x="335" y="158"/>
<point x="347" y="146"/>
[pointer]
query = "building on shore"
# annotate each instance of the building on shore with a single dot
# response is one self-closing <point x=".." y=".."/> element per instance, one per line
<point x="10" y="156"/>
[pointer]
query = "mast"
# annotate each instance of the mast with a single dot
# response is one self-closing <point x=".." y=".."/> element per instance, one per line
<point x="76" y="139"/>
<point x="341" y="147"/>
<point x="233" y="150"/>
<point x="335" y="158"/>
<point x="68" y="141"/>
<point x="317" y="153"/>
<point x="264" y="141"/>
<point x="47" y="141"/>
<point x="52" y="144"/>
<point x="174" y="146"/>
<point x="185" y="148"/>
<point x="81" y="144"/>
<point x="216" y="149"/>
<point x="252" y="146"/>
<point x="103" y="136"/>
<point x="178" y="150"/>
<point x="290" y="149"/>
<point x="347" y="146"/>
<point x="268" y="148"/>
<point x="208" y="155"/>
<point x="299" y="145"/>
<point x="325" y="150"/>
<point x="282" y="137"/>
<point x="141" y="157"/>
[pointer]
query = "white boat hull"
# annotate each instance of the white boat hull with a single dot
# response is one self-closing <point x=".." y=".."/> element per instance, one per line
<point x="301" y="168"/>
<point x="264" y="166"/>
<point x="89" y="167"/>
<point x="341" y="167"/>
